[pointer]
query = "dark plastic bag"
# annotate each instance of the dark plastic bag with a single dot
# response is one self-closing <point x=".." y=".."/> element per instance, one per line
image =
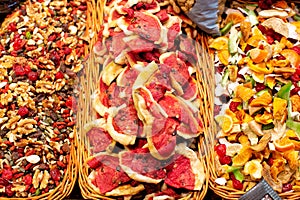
<point x="6" y="6"/>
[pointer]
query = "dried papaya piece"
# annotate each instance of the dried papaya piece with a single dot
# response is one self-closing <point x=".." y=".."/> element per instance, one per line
<point x="263" y="100"/>
<point x="244" y="93"/>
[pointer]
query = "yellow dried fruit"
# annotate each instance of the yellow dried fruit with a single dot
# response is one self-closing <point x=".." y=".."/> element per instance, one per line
<point x="292" y="158"/>
<point x="255" y="39"/>
<point x="233" y="70"/>
<point x="258" y="77"/>
<point x="220" y="43"/>
<point x="279" y="108"/>
<point x="254" y="168"/>
<point x="258" y="55"/>
<point x="223" y="56"/>
<point x="244" y="93"/>
<point x="225" y="122"/>
<point x="277" y="167"/>
<point x="242" y="157"/>
<point x="292" y="56"/>
<point x="235" y="17"/>
<point x="264" y="100"/>
<point x="284" y="144"/>
<point x="270" y="81"/>
<point x="295" y="99"/>
<point x="243" y="139"/>
<point x="265" y="118"/>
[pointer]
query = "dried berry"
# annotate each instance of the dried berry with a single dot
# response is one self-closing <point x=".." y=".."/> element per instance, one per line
<point x="59" y="75"/>
<point x="23" y="111"/>
<point x="32" y="76"/>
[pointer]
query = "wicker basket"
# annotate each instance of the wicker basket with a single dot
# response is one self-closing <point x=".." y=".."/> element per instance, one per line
<point x="90" y="84"/>
<point x="209" y="71"/>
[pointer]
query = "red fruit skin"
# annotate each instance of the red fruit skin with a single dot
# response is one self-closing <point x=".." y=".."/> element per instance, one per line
<point x="233" y="106"/>
<point x="7" y="174"/>
<point x="32" y="76"/>
<point x="225" y="160"/>
<point x="55" y="174"/>
<point x="59" y="75"/>
<point x="23" y="111"/>
<point x="220" y="150"/>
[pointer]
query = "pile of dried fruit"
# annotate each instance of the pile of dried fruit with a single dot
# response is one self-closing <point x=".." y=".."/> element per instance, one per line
<point x="143" y="143"/>
<point x="41" y="50"/>
<point x="257" y="96"/>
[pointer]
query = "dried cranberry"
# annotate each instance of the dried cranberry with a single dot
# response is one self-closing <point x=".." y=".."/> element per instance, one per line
<point x="12" y="27"/>
<point x="55" y="174"/>
<point x="162" y="15"/>
<point x="220" y="150"/>
<point x="55" y="57"/>
<point x="18" y="44"/>
<point x="23" y="111"/>
<point x="8" y="191"/>
<point x="233" y="106"/>
<point x="294" y="91"/>
<point x="270" y="161"/>
<point x="297" y="49"/>
<point x="295" y="78"/>
<point x="265" y="4"/>
<point x="52" y="37"/>
<point x="262" y="28"/>
<point x="3" y="182"/>
<point x="225" y="160"/>
<point x="67" y="50"/>
<point x="280" y="57"/>
<point x="32" y="76"/>
<point x="237" y="184"/>
<point x="27" y="69"/>
<point x="71" y="103"/>
<point x="287" y="187"/>
<point x="59" y="75"/>
<point x="27" y="179"/>
<point x="19" y="70"/>
<point x="7" y="174"/>
<point x="259" y="87"/>
<point x="129" y="11"/>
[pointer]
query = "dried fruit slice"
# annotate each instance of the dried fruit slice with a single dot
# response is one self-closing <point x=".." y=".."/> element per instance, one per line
<point x="254" y="168"/>
<point x="258" y="55"/>
<point x="292" y="56"/>
<point x="220" y="43"/>
<point x="99" y="138"/>
<point x="122" y="124"/>
<point x="242" y="157"/>
<point x="284" y="144"/>
<point x="141" y="166"/>
<point x="235" y="16"/>
<point x="108" y="174"/>
<point x="186" y="171"/>
<point x="225" y="122"/>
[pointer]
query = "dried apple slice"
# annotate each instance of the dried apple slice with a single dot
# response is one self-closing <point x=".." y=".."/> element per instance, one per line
<point x="141" y="166"/>
<point x="186" y="171"/>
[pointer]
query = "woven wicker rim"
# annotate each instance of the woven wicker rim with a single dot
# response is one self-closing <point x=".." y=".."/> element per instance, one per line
<point x="209" y="71"/>
<point x="89" y="85"/>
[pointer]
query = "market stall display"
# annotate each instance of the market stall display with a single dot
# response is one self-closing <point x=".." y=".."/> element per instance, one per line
<point x="142" y="123"/>
<point x="42" y="49"/>
<point x="256" y="99"/>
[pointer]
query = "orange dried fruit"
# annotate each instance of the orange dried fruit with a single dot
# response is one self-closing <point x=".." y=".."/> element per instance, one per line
<point x="279" y="107"/>
<point x="242" y="157"/>
<point x="263" y="100"/>
<point x="292" y="158"/>
<point x="225" y="122"/>
<point x="244" y="93"/>
<point x="254" y="168"/>
<point x="258" y="55"/>
<point x="277" y="167"/>
<point x="258" y="77"/>
<point x="270" y="81"/>
<point x="220" y="43"/>
<point x="265" y="118"/>
<point x="281" y="4"/>
<point x="292" y="56"/>
<point x="243" y="139"/>
<point x="255" y="39"/>
<point x="235" y="17"/>
<point x="284" y="144"/>
<point x="223" y="56"/>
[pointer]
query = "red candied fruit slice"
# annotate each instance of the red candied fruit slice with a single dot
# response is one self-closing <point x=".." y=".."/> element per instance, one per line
<point x="162" y="15"/>
<point x="55" y="174"/>
<point x="27" y="179"/>
<point x="23" y="111"/>
<point x="287" y="187"/>
<point x="71" y="103"/>
<point x="59" y="75"/>
<point x="7" y="174"/>
<point x="260" y="87"/>
<point x="32" y="76"/>
<point x="233" y="106"/>
<point x="220" y="150"/>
